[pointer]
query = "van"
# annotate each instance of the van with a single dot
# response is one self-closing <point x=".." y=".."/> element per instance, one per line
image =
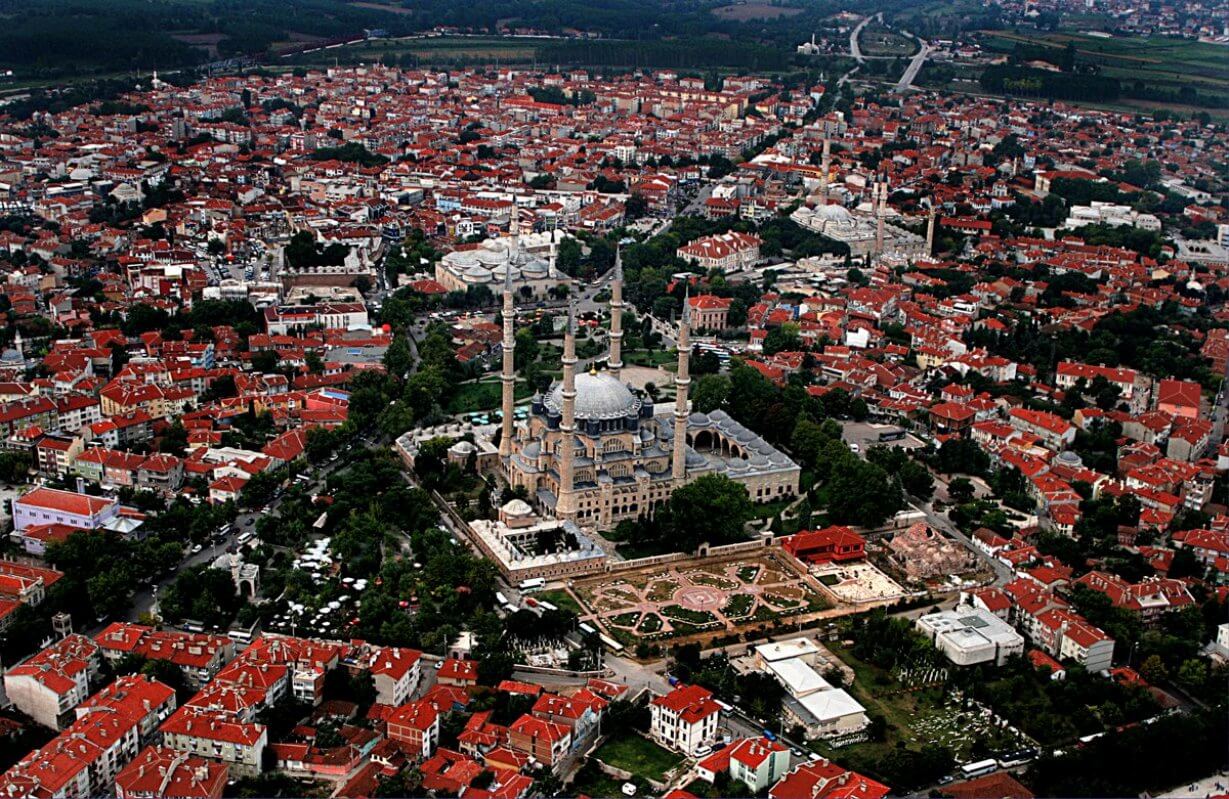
<point x="244" y="537"/>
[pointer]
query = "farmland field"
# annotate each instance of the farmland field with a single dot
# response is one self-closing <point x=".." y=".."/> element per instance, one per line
<point x="744" y="12"/>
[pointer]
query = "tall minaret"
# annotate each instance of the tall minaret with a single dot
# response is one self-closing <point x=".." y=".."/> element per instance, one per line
<point x="508" y="377"/>
<point x="880" y="201"/>
<point x="514" y="229"/>
<point x="826" y="166"/>
<point x="565" y="503"/>
<point x="681" y="381"/>
<point x="614" y="364"/>
<point x="930" y="233"/>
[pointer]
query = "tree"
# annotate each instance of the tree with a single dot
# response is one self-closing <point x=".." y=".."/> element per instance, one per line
<point x="784" y="338"/>
<point x="709" y="393"/>
<point x="712" y="509"/>
<point x="264" y="361"/>
<point x="398" y="359"/>
<point x="916" y="480"/>
<point x="862" y="493"/>
<point x="1153" y="669"/>
<point x="960" y="490"/>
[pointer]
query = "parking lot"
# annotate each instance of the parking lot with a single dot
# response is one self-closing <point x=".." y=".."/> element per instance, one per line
<point x="862" y="435"/>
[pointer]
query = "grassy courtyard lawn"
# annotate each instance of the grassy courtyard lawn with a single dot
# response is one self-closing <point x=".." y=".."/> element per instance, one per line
<point x="769" y="510"/>
<point x="561" y="599"/>
<point x="640" y="756"/>
<point x="687" y="615"/>
<point x="482" y="396"/>
<point x="651" y="623"/>
<point x="654" y="358"/>
<point x="739" y="605"/>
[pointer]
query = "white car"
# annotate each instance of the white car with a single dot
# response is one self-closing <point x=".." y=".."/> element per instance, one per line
<point x="628" y="789"/>
<point x="855" y="448"/>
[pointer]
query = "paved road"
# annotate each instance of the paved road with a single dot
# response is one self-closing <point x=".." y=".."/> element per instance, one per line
<point x="854" y="49"/>
<point x="143" y="599"/>
<point x="915" y="66"/>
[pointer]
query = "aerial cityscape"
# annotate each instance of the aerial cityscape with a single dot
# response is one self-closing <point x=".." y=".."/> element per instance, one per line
<point x="797" y="399"/>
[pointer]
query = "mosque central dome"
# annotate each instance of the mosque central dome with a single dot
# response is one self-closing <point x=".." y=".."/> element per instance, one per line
<point x="598" y="396"/>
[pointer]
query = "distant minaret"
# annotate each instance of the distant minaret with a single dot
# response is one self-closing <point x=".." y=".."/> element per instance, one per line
<point x="930" y="233"/>
<point x="565" y="503"/>
<point x="881" y="197"/>
<point x="826" y="166"/>
<point x="681" y="381"/>
<point x="508" y="377"/>
<point x="615" y="362"/>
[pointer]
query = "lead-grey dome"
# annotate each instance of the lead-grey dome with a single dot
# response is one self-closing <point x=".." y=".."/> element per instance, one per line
<point x="598" y="396"/>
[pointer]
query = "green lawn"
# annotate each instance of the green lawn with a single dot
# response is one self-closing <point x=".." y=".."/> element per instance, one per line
<point x="483" y="396"/>
<point x="640" y="756"/>
<point x="560" y="599"/>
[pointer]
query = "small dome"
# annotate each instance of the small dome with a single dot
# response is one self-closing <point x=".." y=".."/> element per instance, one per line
<point x="517" y="507"/>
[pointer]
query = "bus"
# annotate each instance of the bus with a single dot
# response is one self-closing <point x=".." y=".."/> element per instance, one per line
<point x="891" y="434"/>
<point x="980" y="768"/>
<point x="500" y="598"/>
<point x="531" y="585"/>
<point x="586" y="628"/>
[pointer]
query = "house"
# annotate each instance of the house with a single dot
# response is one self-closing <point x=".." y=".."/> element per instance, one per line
<point x="755" y="762"/>
<point x="544" y="741"/>
<point x="835" y="544"/>
<point x="458" y="672"/>
<point x="416" y="729"/>
<point x="1179" y="398"/>
<point x="709" y="312"/>
<point x="684" y="719"/>
<point x="49" y="684"/>
<point x="395" y="671"/>
<point x="728" y="252"/>
<point x="1051" y="428"/>
<point x="579" y="713"/>
<point x="159" y="772"/>
<point x="823" y="779"/>
<point x="218" y="735"/>
<point x="87" y="757"/>
<point x="52" y="506"/>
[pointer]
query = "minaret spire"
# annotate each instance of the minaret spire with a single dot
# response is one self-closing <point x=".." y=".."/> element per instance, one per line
<point x="930" y="232"/>
<point x="615" y="362"/>
<point x="508" y="376"/>
<point x="681" y="382"/>
<point x="514" y="228"/>
<point x="826" y="166"/>
<point x="565" y="502"/>
<point x="880" y="200"/>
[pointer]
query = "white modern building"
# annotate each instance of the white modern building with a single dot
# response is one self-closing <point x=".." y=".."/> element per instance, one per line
<point x="969" y="635"/>
<point x="1103" y="213"/>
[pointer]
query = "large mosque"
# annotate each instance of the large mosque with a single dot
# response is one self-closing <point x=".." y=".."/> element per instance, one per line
<point x="595" y="452"/>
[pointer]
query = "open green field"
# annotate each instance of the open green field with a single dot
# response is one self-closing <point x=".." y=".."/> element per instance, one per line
<point x="877" y="40"/>
<point x="441" y="50"/>
<point x="1174" y="62"/>
<point x="639" y="755"/>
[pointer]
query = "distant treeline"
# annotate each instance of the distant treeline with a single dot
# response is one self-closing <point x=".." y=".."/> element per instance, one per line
<point x="49" y="38"/>
<point x="1029" y="82"/>
<point x="1186" y="95"/>
<point x="677" y="54"/>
